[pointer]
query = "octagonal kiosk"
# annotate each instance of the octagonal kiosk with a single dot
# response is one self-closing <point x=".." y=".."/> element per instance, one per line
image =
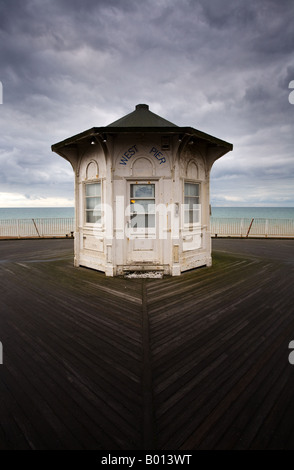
<point x="142" y="194"/>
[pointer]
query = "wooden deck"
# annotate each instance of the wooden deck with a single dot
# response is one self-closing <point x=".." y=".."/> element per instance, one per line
<point x="198" y="361"/>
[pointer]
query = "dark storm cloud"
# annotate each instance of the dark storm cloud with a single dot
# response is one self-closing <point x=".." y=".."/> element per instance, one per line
<point x="223" y="67"/>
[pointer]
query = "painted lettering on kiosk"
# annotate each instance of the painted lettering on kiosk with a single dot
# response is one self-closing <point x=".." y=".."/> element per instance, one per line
<point x="133" y="150"/>
<point x="128" y="154"/>
<point x="157" y="154"/>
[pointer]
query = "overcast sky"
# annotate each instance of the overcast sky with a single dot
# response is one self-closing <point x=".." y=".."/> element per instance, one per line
<point x="220" y="66"/>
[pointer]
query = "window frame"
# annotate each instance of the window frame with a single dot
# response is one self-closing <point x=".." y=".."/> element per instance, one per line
<point x="148" y="213"/>
<point x="86" y="211"/>
<point x="190" y="225"/>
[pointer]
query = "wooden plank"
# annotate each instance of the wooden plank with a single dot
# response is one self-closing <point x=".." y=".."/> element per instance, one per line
<point x="239" y="385"/>
<point x="238" y="425"/>
<point x="197" y="361"/>
<point x="149" y="432"/>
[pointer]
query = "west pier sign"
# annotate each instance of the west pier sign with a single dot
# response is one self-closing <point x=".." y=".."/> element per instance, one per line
<point x="128" y="154"/>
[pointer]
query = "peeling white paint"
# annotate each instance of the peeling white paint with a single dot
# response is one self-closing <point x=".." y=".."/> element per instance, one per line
<point x="154" y="169"/>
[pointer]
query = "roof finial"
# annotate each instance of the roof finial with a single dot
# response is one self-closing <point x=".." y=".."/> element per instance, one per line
<point x="142" y="106"/>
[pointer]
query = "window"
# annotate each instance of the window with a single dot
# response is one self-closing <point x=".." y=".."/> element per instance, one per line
<point x="165" y="143"/>
<point x="192" y="203"/>
<point x="142" y="204"/>
<point x="93" y="202"/>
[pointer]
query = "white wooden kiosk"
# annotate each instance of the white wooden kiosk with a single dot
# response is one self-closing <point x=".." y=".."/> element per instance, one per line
<point x="142" y="194"/>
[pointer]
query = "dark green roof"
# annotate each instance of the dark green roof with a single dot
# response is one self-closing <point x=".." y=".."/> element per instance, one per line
<point x="135" y="122"/>
<point x="142" y="117"/>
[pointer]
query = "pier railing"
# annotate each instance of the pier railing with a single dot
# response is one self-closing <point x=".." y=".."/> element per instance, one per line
<point x="37" y="228"/>
<point x="219" y="227"/>
<point x="251" y="227"/>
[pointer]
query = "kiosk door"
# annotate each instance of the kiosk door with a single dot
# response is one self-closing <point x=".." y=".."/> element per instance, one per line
<point x="142" y="231"/>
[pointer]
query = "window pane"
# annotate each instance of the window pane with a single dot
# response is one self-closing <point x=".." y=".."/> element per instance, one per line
<point x="92" y="202"/>
<point x="143" y="206"/>
<point x="143" y="190"/>
<point x="191" y="217"/>
<point x="192" y="202"/>
<point x="194" y="215"/>
<point x="93" y="189"/>
<point x="138" y="221"/>
<point x="191" y="189"/>
<point x="92" y="217"/>
<point x="142" y="220"/>
<point x="151" y="221"/>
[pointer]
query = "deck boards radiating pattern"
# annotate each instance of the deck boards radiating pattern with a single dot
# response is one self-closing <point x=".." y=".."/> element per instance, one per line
<point x="72" y="358"/>
<point x="219" y="344"/>
<point x="198" y="361"/>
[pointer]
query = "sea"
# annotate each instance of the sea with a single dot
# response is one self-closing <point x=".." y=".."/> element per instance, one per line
<point x="253" y="212"/>
<point x="218" y="212"/>
<point x="36" y="212"/>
